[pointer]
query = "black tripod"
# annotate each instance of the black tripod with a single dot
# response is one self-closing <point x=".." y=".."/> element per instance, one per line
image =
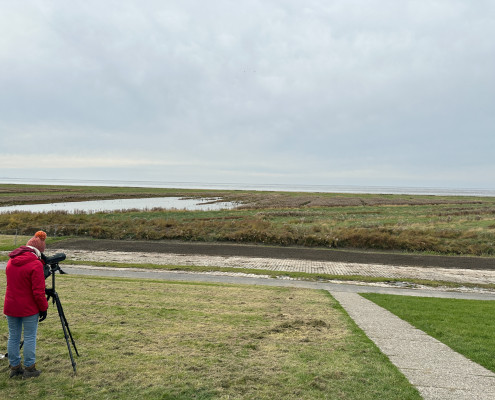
<point x="52" y="264"/>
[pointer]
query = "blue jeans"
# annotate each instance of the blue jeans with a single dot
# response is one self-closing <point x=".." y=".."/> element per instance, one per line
<point x="30" y="325"/>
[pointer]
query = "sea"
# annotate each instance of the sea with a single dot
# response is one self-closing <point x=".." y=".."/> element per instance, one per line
<point x="435" y="191"/>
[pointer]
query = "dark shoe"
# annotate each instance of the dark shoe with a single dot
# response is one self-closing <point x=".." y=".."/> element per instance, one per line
<point x="31" y="372"/>
<point x="16" y="371"/>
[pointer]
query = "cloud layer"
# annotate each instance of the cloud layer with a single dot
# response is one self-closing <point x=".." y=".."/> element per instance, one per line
<point x="281" y="91"/>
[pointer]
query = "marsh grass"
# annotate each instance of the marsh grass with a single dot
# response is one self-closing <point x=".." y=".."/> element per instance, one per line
<point x="432" y="224"/>
<point x="466" y="326"/>
<point x="143" y="339"/>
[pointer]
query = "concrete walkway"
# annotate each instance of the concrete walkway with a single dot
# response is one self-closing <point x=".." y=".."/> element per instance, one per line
<point x="438" y="372"/>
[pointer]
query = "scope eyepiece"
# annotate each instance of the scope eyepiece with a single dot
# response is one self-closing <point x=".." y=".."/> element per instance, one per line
<point x="55" y="259"/>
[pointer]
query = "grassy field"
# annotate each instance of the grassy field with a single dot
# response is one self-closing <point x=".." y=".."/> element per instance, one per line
<point x="10" y="242"/>
<point x="467" y="326"/>
<point x="426" y="224"/>
<point x="156" y="340"/>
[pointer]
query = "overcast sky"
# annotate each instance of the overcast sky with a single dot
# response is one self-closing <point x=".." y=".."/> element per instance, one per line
<point x="330" y="92"/>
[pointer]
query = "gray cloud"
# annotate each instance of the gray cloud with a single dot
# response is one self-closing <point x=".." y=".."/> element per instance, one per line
<point x="365" y="92"/>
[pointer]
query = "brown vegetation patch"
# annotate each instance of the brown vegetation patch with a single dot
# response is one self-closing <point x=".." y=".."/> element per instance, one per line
<point x="30" y="189"/>
<point x="262" y="201"/>
<point x="467" y="211"/>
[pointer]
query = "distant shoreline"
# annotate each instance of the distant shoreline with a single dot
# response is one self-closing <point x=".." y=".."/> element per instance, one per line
<point x="356" y="189"/>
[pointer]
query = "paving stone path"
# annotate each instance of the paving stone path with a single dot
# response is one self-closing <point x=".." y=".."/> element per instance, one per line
<point x="301" y="265"/>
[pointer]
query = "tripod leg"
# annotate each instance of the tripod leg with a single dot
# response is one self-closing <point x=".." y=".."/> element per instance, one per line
<point x="66" y="323"/>
<point x="65" y="327"/>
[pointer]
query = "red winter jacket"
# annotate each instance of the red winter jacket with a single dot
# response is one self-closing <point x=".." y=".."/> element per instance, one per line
<point x="25" y="294"/>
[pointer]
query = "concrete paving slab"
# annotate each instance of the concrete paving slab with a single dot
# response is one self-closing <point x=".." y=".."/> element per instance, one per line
<point x="456" y="380"/>
<point x="437" y="371"/>
<point x="432" y="393"/>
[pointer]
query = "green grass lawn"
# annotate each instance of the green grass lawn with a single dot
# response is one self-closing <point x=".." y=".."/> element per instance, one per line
<point x="467" y="326"/>
<point x="144" y="339"/>
<point x="10" y="242"/>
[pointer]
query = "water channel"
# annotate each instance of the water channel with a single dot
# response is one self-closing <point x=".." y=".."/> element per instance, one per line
<point x="169" y="203"/>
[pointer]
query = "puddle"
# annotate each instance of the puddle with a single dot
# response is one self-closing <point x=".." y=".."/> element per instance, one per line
<point x="168" y="203"/>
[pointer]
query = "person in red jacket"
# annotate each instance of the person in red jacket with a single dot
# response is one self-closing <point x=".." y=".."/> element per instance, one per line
<point x="25" y="303"/>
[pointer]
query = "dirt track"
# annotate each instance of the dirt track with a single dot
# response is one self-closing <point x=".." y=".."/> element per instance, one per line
<point x="240" y="250"/>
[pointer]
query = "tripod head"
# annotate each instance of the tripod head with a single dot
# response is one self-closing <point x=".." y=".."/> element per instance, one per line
<point x="51" y="265"/>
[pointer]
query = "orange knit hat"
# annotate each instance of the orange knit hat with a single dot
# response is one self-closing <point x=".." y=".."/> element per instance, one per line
<point x="38" y="241"/>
